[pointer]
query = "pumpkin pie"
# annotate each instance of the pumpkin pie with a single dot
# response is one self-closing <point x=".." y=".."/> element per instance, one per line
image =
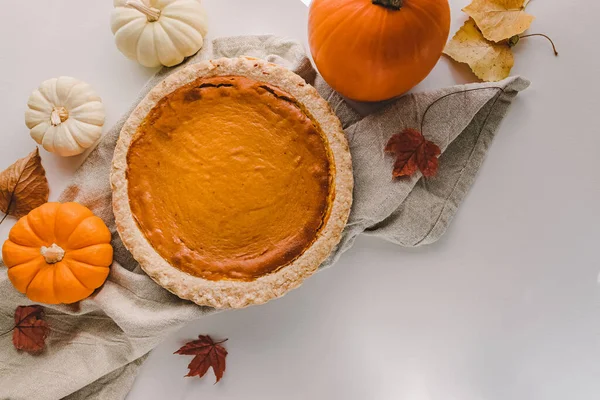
<point x="232" y="182"/>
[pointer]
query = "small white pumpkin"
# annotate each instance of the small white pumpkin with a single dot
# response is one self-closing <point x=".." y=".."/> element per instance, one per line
<point x="158" y="32"/>
<point x="65" y="116"/>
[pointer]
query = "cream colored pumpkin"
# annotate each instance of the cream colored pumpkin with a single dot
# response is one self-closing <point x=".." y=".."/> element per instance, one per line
<point x="65" y="116"/>
<point x="158" y="32"/>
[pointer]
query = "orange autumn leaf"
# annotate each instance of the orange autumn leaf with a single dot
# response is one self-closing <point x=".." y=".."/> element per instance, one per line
<point x="31" y="330"/>
<point x="413" y="152"/>
<point x="207" y="354"/>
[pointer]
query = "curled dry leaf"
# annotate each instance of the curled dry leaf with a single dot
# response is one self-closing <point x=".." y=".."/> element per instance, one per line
<point x="500" y="19"/>
<point x="31" y="330"/>
<point x="412" y="152"/>
<point x="490" y="61"/>
<point x="207" y="354"/>
<point x="23" y="186"/>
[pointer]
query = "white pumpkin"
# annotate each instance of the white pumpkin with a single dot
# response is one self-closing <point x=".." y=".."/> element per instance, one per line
<point x="65" y="116"/>
<point x="158" y="32"/>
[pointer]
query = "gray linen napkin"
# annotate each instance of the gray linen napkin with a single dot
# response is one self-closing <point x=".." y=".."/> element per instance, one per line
<point x="97" y="345"/>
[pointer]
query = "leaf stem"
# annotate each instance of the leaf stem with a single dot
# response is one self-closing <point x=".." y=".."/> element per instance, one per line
<point x="222" y="341"/>
<point x="496" y="97"/>
<point x="7" y="332"/>
<point x="3" y="218"/>
<point x="452" y="94"/>
<point x="542" y="35"/>
<point x="35" y="313"/>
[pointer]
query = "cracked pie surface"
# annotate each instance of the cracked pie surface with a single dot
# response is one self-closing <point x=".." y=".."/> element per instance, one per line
<point x="232" y="182"/>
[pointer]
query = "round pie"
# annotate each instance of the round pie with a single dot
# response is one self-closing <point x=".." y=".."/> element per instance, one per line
<point x="232" y="182"/>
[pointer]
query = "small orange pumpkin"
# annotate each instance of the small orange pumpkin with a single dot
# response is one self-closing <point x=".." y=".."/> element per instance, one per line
<point x="58" y="253"/>
<point x="372" y="50"/>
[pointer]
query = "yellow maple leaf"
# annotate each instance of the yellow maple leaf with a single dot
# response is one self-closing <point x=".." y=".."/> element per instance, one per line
<point x="490" y="61"/>
<point x="500" y="19"/>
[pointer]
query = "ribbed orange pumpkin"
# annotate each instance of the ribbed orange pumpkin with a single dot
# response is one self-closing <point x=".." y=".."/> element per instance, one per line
<point x="58" y="253"/>
<point x="372" y="50"/>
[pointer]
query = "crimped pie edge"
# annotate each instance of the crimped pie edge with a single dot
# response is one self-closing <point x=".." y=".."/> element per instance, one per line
<point x="230" y="293"/>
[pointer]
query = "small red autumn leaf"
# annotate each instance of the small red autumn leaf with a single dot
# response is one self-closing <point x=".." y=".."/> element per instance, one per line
<point x="412" y="152"/>
<point x="31" y="330"/>
<point x="207" y="354"/>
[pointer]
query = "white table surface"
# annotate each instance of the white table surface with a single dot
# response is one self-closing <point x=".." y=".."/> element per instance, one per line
<point x="505" y="306"/>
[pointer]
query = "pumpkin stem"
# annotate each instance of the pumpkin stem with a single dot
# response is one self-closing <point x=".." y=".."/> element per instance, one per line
<point x="52" y="254"/>
<point x="391" y="4"/>
<point x="151" y="13"/>
<point x="58" y="116"/>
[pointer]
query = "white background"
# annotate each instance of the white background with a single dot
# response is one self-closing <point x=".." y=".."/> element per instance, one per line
<point x="505" y="306"/>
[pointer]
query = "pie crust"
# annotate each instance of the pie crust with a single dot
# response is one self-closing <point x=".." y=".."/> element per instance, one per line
<point x="230" y="293"/>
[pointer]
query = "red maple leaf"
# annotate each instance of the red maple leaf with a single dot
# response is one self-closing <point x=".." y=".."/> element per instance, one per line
<point x="412" y="152"/>
<point x="31" y="330"/>
<point x="207" y="354"/>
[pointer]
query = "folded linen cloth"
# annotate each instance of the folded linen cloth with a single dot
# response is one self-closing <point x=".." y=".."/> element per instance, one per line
<point x="97" y="345"/>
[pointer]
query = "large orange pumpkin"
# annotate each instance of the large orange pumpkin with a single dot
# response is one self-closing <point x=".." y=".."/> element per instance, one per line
<point x="372" y="50"/>
<point x="58" y="253"/>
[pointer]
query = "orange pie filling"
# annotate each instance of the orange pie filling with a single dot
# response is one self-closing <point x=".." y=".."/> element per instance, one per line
<point x="230" y="178"/>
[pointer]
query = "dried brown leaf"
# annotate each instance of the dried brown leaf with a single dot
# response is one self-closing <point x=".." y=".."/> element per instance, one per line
<point x="499" y="20"/>
<point x="490" y="61"/>
<point x="23" y="186"/>
<point x="31" y="330"/>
